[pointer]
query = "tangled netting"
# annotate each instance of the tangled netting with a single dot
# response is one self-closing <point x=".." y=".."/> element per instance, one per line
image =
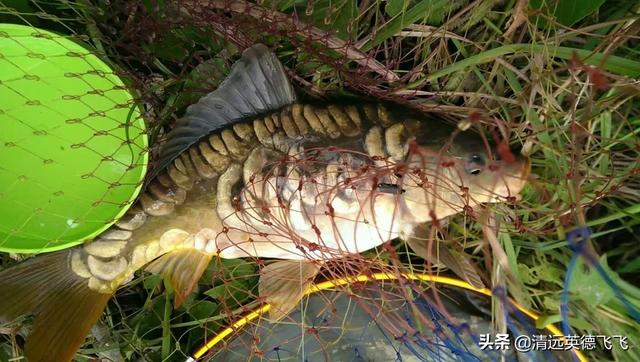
<point x="390" y="321"/>
<point x="575" y="118"/>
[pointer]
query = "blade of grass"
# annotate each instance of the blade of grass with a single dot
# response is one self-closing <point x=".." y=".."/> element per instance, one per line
<point x="402" y="20"/>
<point x="612" y="63"/>
<point x="166" y="323"/>
<point x="627" y="212"/>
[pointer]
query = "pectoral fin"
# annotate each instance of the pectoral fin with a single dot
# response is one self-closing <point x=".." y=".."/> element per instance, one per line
<point x="183" y="268"/>
<point x="283" y="284"/>
<point x="461" y="264"/>
<point x="458" y="262"/>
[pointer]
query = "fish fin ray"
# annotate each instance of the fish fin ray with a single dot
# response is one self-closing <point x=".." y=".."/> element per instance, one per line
<point x="283" y="284"/>
<point x="183" y="268"/>
<point x="64" y="307"/>
<point x="461" y="264"/>
<point x="257" y="84"/>
<point x="458" y="262"/>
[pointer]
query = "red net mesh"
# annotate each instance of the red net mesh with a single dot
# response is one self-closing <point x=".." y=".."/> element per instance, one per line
<point x="573" y="113"/>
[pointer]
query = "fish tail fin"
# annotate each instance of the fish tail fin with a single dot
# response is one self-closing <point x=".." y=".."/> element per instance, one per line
<point x="64" y="307"/>
<point x="183" y="268"/>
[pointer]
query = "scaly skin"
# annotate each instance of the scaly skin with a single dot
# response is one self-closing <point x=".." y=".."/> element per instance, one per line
<point x="221" y="196"/>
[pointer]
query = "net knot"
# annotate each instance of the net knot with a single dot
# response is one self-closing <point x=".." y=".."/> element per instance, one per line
<point x="577" y="238"/>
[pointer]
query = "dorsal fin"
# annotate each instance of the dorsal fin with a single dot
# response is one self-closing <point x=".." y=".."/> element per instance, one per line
<point x="257" y="84"/>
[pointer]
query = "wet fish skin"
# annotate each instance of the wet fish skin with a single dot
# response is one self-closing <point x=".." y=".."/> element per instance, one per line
<point x="214" y="196"/>
<point x="211" y="194"/>
<point x="192" y="181"/>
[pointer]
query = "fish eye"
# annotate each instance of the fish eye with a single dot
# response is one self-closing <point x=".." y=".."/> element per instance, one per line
<point x="475" y="164"/>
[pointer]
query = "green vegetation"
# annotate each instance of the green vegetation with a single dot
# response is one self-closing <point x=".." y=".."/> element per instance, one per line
<point x="560" y="78"/>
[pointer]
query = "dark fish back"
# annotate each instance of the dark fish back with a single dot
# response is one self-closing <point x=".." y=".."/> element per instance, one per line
<point x="302" y="124"/>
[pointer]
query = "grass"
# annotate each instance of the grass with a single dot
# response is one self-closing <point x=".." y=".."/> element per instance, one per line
<point x="562" y="84"/>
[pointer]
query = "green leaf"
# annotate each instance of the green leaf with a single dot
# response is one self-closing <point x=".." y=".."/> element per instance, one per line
<point x="237" y="268"/>
<point x="202" y="309"/>
<point x="201" y="80"/>
<point x="432" y="16"/>
<point x="172" y="46"/>
<point x="243" y="270"/>
<point x="234" y="292"/>
<point x="546" y="320"/>
<point x="566" y="12"/>
<point x="150" y="322"/>
<point x="528" y="275"/>
<point x="631" y="267"/>
<point x="217" y="292"/>
<point x="627" y="288"/>
<point x="551" y="302"/>
<point x="5" y="352"/>
<point x="395" y="7"/>
<point x="337" y="16"/>
<point x="587" y="285"/>
<point x="282" y="5"/>
<point x="151" y="281"/>
<point x="345" y="21"/>
<point x="550" y="273"/>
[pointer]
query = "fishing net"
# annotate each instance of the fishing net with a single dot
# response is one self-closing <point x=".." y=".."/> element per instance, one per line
<point x="566" y="247"/>
<point x="74" y="145"/>
<point x="387" y="321"/>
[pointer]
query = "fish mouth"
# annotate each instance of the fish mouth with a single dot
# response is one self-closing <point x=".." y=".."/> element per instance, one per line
<point x="515" y="180"/>
<point x="525" y="171"/>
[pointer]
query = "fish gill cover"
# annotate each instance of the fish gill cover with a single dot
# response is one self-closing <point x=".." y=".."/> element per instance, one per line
<point x="456" y="88"/>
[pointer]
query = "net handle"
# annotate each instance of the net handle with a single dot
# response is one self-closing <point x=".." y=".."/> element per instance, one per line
<point x="366" y="278"/>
